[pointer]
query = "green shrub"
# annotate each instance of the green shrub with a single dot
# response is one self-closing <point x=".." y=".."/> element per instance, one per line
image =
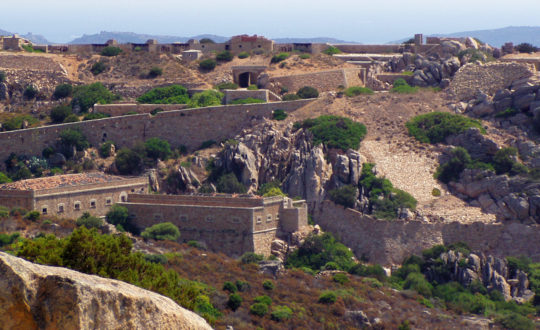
<point x="96" y="115"/>
<point x="62" y="91"/>
<point x="307" y="92"/>
<point x="242" y="285"/>
<point x="4" y="212"/>
<point x="227" y="85"/>
<point x="400" y="86"/>
<point x="345" y="195"/>
<point x="451" y="170"/>
<point x="156" y="258"/>
<point x="174" y="94"/>
<point x="357" y="90"/>
<point x="164" y="231"/>
<point x="504" y="161"/>
<point x="8" y="239"/>
<point x="435" y="127"/>
<point x="60" y="113"/>
<point x="248" y="100"/>
<point x="474" y="55"/>
<point x="208" y="64"/>
<point x="30" y="92"/>
<point x="506" y="113"/>
<point x="525" y="48"/>
<point x="279" y="57"/>
<point x="234" y="302"/>
<point x="274" y="191"/>
<point x="370" y="270"/>
<point x="206" y="98"/>
<point x="98" y="67"/>
<point x="335" y="132"/>
<point x="418" y="282"/>
<point x="340" y="278"/>
<point x="110" y="51"/>
<point x="515" y="321"/>
<point x="157" y="148"/>
<point x="229" y="286"/>
<point x="281" y="313"/>
<point x="224" y="56"/>
<point x="89" y="221"/>
<point x="32" y="215"/>
<point x="290" y="97"/>
<point x="372" y="282"/>
<point x="4" y="178"/>
<point x="72" y="118"/>
<point x="332" y="50"/>
<point x="279" y="114"/>
<point x="263" y="300"/>
<point x="73" y="138"/>
<point x="16" y="122"/>
<point x="258" y="309"/>
<point x="304" y="56"/>
<point x="328" y="297"/>
<point x="118" y="216"/>
<point x="229" y="184"/>
<point x="87" y="95"/>
<point x="155" y="71"/>
<point x="251" y="258"/>
<point x="243" y="55"/>
<point x="436" y="192"/>
<point x="252" y="87"/>
<point x="268" y="285"/>
<point x="2" y="76"/>
<point x="128" y="161"/>
<point x="105" y="149"/>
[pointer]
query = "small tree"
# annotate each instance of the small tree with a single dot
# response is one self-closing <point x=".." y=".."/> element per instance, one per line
<point x="98" y="68"/>
<point x="208" y="64"/>
<point x="332" y="50"/>
<point x="62" y="91"/>
<point x="234" y="302"/>
<point x="345" y="196"/>
<point x="526" y="47"/>
<point x="157" y="148"/>
<point x="229" y="184"/>
<point x="224" y="56"/>
<point x="155" y="72"/>
<point x="59" y="113"/>
<point x="128" y="161"/>
<point x="161" y="232"/>
<point x="89" y="221"/>
<point x="111" y="51"/>
<point x="206" y="99"/>
<point x="117" y="215"/>
<point x="30" y="92"/>
<point x="307" y="92"/>
<point x="72" y="138"/>
<point x="258" y="309"/>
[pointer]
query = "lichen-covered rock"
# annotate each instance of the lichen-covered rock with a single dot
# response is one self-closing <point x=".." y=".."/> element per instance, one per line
<point x="42" y="297"/>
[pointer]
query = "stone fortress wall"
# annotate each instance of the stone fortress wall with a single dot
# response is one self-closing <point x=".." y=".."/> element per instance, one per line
<point x="323" y="81"/>
<point x="390" y="242"/>
<point x="189" y="127"/>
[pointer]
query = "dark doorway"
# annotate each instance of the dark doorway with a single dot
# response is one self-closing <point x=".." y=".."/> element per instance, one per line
<point x="243" y="80"/>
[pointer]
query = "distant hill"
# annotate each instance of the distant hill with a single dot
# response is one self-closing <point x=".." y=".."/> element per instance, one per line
<point x="33" y="38"/>
<point x="313" y="40"/>
<point x="125" y="37"/>
<point x="497" y="37"/>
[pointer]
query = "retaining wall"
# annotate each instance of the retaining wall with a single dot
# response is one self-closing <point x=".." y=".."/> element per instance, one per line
<point x="121" y="109"/>
<point x="389" y="242"/>
<point x="323" y="81"/>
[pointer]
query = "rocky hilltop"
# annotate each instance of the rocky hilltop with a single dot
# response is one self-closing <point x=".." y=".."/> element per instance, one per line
<point x="35" y="296"/>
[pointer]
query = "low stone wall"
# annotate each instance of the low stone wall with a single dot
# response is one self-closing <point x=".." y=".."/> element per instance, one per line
<point x="389" y="242"/>
<point x="391" y="77"/>
<point x="354" y="48"/>
<point x="122" y="109"/>
<point x="323" y="81"/>
<point x="237" y="94"/>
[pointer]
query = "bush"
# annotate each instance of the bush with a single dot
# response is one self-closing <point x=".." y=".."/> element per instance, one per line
<point x="89" y="221"/>
<point x="174" y="94"/>
<point x="73" y="118"/>
<point x="263" y="300"/>
<point x="327" y="297"/>
<point x="248" y="100"/>
<point x="208" y="64"/>
<point x="60" y="113"/>
<point x="526" y="48"/>
<point x="234" y="302"/>
<point x="229" y="286"/>
<point x="96" y="115"/>
<point x="345" y="195"/>
<point x="451" y="170"/>
<point x="30" y="92"/>
<point x="279" y="114"/>
<point x="268" y="285"/>
<point x="504" y="161"/>
<point x="435" y="127"/>
<point x="105" y="149"/>
<point x="332" y="50"/>
<point x="8" y="239"/>
<point x="304" y="56"/>
<point x="251" y="258"/>
<point x="87" y="95"/>
<point x="157" y="148"/>
<point x="307" y="92"/>
<point x="16" y="122"/>
<point x="258" y="309"/>
<point x="335" y="132"/>
<point x="401" y="87"/>
<point x="206" y="98"/>
<point x="128" y="161"/>
<point x="229" y="184"/>
<point x="509" y="112"/>
<point x="357" y="90"/>
<point x="242" y="285"/>
<point x="161" y="232"/>
<point x="274" y="191"/>
<point x="290" y="97"/>
<point x="371" y="270"/>
<point x="155" y="72"/>
<point x="227" y="85"/>
<point x="243" y="55"/>
<point x="281" y="313"/>
<point x="110" y="51"/>
<point x="340" y="278"/>
<point x="515" y="321"/>
<point x="62" y="91"/>
<point x="156" y="258"/>
<point x="32" y="215"/>
<point x="279" y="57"/>
<point x="418" y="282"/>
<point x="117" y="215"/>
<point x="4" y="178"/>
<point x="224" y="56"/>
<point x="2" y="76"/>
<point x="436" y="192"/>
<point x="98" y="67"/>
<point x="70" y="138"/>
<point x="252" y="88"/>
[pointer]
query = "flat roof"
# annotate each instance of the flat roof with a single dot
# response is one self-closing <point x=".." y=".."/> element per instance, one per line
<point x="57" y="181"/>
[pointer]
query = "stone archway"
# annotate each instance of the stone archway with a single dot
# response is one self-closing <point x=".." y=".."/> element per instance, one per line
<point x="246" y="75"/>
<point x="243" y="79"/>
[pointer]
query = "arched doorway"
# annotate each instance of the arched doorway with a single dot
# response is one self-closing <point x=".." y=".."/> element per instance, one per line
<point x="243" y="79"/>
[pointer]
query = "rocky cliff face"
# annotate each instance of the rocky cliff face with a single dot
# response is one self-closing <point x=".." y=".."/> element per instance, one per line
<point x="35" y="296"/>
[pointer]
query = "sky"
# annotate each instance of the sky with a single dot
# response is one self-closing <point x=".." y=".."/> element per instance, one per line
<point x="376" y="21"/>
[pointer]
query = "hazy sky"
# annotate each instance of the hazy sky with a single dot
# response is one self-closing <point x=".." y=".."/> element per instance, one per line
<point x="360" y="20"/>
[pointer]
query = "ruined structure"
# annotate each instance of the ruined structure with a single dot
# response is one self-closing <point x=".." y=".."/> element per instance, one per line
<point x="70" y="195"/>
<point x="224" y="223"/>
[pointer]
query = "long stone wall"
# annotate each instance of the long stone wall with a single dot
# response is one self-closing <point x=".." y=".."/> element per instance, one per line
<point x="389" y="242"/>
<point x="121" y="109"/>
<point x="323" y="81"/>
<point x="189" y="127"/>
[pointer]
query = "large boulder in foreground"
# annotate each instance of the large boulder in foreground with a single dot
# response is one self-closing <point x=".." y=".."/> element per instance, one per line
<point x="34" y="296"/>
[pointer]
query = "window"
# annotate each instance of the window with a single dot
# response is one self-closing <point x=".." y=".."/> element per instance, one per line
<point x="44" y="209"/>
<point x="235" y="220"/>
<point x="183" y="218"/>
<point x="77" y="206"/>
<point x="259" y="219"/>
<point x="108" y="201"/>
<point x="277" y="217"/>
<point x="209" y="219"/>
<point x="269" y="218"/>
<point x="61" y="208"/>
<point x="92" y="203"/>
<point x="123" y="197"/>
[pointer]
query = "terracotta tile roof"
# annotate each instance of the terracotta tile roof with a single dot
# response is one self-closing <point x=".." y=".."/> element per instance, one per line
<point x="57" y="181"/>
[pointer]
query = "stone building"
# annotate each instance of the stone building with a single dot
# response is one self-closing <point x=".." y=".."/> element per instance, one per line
<point x="245" y="43"/>
<point x="68" y="196"/>
<point x="224" y="223"/>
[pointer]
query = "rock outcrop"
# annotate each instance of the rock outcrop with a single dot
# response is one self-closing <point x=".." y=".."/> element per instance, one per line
<point x="42" y="297"/>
